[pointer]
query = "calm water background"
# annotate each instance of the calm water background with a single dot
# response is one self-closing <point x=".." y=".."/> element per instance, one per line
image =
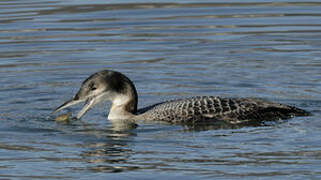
<point x="268" y="49"/>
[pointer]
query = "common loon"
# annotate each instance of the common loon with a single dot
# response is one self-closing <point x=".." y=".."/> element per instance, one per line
<point x="108" y="85"/>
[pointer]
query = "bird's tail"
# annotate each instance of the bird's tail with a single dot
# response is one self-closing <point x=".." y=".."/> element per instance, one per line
<point x="298" y="112"/>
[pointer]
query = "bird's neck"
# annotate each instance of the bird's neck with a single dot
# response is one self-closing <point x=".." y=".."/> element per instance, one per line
<point x="124" y="100"/>
<point x="124" y="106"/>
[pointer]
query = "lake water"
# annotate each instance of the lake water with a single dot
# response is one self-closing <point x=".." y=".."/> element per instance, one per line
<point x="170" y="49"/>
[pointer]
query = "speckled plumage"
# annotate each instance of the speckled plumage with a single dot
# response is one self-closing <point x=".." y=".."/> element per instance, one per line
<point x="211" y="108"/>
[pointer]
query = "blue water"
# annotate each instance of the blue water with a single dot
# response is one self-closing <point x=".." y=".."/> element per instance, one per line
<point x="170" y="49"/>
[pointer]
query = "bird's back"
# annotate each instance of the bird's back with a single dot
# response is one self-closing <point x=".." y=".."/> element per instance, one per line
<point x="211" y="109"/>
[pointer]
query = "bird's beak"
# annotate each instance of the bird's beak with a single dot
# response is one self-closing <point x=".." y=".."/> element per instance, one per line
<point x="66" y="104"/>
<point x="90" y="102"/>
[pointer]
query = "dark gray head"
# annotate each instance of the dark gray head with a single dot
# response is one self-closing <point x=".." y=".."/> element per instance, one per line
<point x="102" y="86"/>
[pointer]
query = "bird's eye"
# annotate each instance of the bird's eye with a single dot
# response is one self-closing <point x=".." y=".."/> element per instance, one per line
<point x="92" y="87"/>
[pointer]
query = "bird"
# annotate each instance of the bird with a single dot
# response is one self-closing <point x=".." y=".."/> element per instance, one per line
<point x="113" y="86"/>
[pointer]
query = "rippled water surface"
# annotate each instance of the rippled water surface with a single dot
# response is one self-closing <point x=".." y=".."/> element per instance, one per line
<point x="170" y="49"/>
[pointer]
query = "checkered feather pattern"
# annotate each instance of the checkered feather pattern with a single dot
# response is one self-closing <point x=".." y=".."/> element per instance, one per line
<point x="212" y="108"/>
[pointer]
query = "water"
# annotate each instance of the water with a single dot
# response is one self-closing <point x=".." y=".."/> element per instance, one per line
<point x="267" y="49"/>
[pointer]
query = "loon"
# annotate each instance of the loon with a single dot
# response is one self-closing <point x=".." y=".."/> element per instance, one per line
<point x="113" y="86"/>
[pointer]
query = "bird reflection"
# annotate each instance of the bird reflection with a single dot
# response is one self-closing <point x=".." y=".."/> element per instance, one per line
<point x="107" y="157"/>
<point x="226" y="125"/>
<point x="123" y="126"/>
<point x="111" y="152"/>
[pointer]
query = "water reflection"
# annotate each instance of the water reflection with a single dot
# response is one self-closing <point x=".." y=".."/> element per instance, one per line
<point x="112" y="152"/>
<point x="221" y="125"/>
<point x="100" y="149"/>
